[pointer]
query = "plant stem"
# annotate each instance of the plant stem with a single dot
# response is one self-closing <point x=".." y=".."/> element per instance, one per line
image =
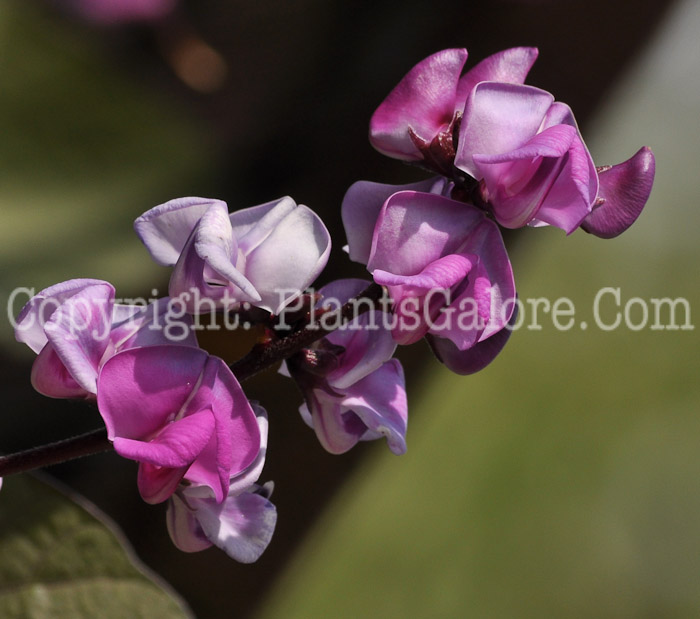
<point x="86" y="444"/>
<point x="262" y="356"/>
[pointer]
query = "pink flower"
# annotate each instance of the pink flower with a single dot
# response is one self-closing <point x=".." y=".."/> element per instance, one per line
<point x="445" y="266"/>
<point x="242" y="525"/>
<point x="352" y="388"/>
<point x="75" y="326"/>
<point x="529" y="155"/>
<point x="264" y="255"/>
<point x="417" y="120"/>
<point x="180" y="413"/>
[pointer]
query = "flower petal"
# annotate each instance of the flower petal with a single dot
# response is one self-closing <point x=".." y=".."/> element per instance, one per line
<point x="159" y="323"/>
<point x="379" y="401"/>
<point x="242" y="526"/>
<point x="289" y="259"/>
<point x="366" y="340"/>
<point x="236" y="441"/>
<point x="246" y="478"/>
<point x="176" y="446"/>
<point x="156" y="483"/>
<point x="141" y="389"/>
<point x="51" y="378"/>
<point x="80" y="332"/>
<point x="361" y="206"/>
<point x="29" y="326"/>
<point x="625" y="187"/>
<point x="424" y="101"/>
<point x="510" y="65"/>
<point x="183" y="526"/>
<point x="499" y="118"/>
<point x="251" y="226"/>
<point x="215" y="243"/>
<point x="164" y="229"/>
<point x="415" y="229"/>
<point x="473" y="359"/>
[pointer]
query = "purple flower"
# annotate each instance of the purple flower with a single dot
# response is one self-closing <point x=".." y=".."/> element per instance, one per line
<point x="624" y="190"/>
<point x="75" y="326"/>
<point x="352" y="390"/>
<point x="265" y="255"/>
<point x="180" y="413"/>
<point x="445" y="266"/>
<point x="417" y="120"/>
<point x="527" y="151"/>
<point x="242" y="525"/>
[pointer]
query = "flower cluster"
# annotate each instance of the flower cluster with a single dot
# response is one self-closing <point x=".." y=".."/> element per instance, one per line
<point x="506" y="154"/>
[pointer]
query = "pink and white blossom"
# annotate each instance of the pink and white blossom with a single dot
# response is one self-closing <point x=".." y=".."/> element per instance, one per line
<point x="352" y="388"/>
<point x="180" y="413"/>
<point x="76" y="326"/>
<point x="265" y="255"/>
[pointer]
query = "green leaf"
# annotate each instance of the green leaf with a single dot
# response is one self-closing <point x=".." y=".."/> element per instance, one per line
<point x="61" y="559"/>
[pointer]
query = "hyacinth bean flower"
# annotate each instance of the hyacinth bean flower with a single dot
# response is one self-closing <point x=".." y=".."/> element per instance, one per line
<point x="265" y="255"/>
<point x="624" y="190"/>
<point x="180" y="413"/>
<point x="242" y="525"/>
<point x="417" y="119"/>
<point x="447" y="272"/>
<point x="75" y="326"/>
<point x="353" y="390"/>
<point x="527" y="151"/>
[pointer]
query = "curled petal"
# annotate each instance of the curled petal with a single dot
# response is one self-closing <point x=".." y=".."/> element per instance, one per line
<point x="625" y="187"/>
<point x="246" y="478"/>
<point x="423" y="101"/>
<point x="177" y="445"/>
<point x="289" y="257"/>
<point x="51" y="378"/>
<point x="183" y="526"/>
<point x="242" y="526"/>
<point x="165" y="228"/>
<point x="499" y="118"/>
<point x="366" y="342"/>
<point x="80" y="330"/>
<point x="473" y="359"/>
<point x="216" y="245"/>
<point x="379" y="401"/>
<point x="510" y="65"/>
<point x="236" y="440"/>
<point x="36" y="313"/>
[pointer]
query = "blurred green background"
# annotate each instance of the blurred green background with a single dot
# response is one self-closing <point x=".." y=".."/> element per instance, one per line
<point x="562" y="481"/>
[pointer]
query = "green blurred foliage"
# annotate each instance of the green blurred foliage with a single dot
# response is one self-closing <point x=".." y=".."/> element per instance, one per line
<point x="563" y="481"/>
<point x="85" y="149"/>
<point x="58" y="560"/>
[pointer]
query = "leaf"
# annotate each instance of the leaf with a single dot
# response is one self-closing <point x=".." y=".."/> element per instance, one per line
<point x="61" y="559"/>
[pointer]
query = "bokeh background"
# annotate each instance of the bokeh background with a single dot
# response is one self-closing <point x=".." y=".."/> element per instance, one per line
<point x="564" y="480"/>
